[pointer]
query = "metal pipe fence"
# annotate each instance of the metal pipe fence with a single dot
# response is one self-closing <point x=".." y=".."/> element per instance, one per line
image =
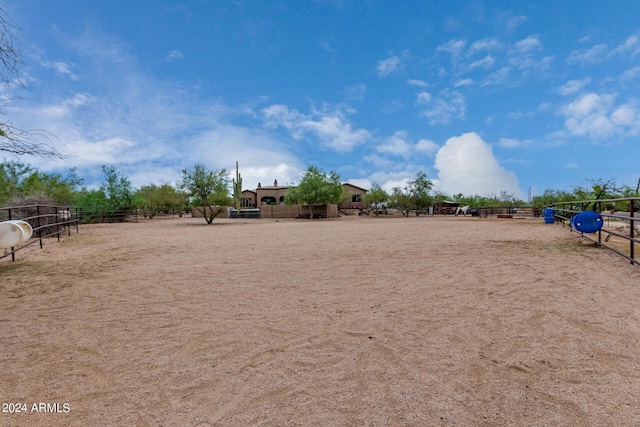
<point x="622" y="212"/>
<point x="45" y="221"/>
<point x="49" y="221"/>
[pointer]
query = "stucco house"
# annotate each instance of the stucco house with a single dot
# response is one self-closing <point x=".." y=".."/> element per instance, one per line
<point x="356" y="197"/>
<point x="274" y="195"/>
<point x="267" y="195"/>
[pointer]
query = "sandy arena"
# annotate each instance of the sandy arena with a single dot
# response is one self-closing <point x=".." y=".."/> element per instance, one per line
<point x="357" y="321"/>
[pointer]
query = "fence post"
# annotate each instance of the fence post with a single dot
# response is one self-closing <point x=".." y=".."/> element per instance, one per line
<point x="631" y="230"/>
<point x="13" y="254"/>
<point x="38" y="221"/>
<point x="600" y="229"/>
<point x="57" y="223"/>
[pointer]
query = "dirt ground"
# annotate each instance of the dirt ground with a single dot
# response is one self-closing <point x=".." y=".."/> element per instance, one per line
<point x="357" y="321"/>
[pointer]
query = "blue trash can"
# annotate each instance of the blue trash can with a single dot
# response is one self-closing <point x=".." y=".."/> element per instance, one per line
<point x="548" y="212"/>
<point x="549" y="220"/>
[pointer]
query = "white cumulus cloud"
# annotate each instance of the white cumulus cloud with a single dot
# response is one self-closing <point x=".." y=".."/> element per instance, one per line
<point x="598" y="116"/>
<point x="466" y="165"/>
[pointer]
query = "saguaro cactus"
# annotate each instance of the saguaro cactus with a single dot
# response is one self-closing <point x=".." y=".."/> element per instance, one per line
<point x="237" y="189"/>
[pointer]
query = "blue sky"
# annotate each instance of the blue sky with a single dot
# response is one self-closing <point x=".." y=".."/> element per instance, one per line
<point x="483" y="96"/>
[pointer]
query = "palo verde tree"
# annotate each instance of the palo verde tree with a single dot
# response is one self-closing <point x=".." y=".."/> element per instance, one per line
<point x="418" y="190"/>
<point x="316" y="189"/>
<point x="401" y="200"/>
<point x="12" y="139"/>
<point x="153" y="198"/>
<point x="206" y="188"/>
<point x="114" y="196"/>
<point x="376" y="195"/>
<point x="414" y="196"/>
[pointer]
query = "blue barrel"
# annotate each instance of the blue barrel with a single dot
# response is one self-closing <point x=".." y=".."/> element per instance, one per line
<point x="549" y="219"/>
<point x="587" y="221"/>
<point x="548" y="212"/>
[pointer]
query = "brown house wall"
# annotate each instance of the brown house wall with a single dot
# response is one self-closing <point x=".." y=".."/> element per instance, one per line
<point x="278" y="211"/>
<point x="196" y="213"/>
<point x="292" y="211"/>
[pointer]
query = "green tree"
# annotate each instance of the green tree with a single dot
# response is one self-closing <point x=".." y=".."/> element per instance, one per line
<point x="419" y="190"/>
<point x="206" y="188"/>
<point x="11" y="175"/>
<point x="152" y="198"/>
<point x="316" y="189"/>
<point x="20" y="180"/>
<point x="376" y="196"/>
<point x="91" y="198"/>
<point x="550" y="197"/>
<point x="116" y="187"/>
<point x="62" y="190"/>
<point x="401" y="200"/>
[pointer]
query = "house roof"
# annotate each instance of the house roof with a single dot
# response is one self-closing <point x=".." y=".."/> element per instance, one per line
<point x="355" y="186"/>
<point x="271" y="188"/>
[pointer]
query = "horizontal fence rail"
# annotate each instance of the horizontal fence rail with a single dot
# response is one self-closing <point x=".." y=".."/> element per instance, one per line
<point x="620" y="232"/>
<point x="106" y="214"/>
<point x="45" y="221"/>
<point x="48" y="221"/>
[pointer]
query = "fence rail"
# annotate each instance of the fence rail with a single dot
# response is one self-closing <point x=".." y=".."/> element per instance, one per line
<point x="622" y="212"/>
<point x="49" y="221"/>
<point x="45" y="221"/>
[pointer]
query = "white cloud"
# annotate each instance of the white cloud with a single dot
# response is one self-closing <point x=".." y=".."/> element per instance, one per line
<point x="463" y="82"/>
<point x="486" y="62"/>
<point x="509" y="143"/>
<point x="356" y="92"/>
<point x="423" y="98"/>
<point x="390" y="184"/>
<point x="173" y="55"/>
<point x="484" y="45"/>
<point x="625" y="115"/>
<point x="596" y="116"/>
<point x="630" y="46"/>
<point x="631" y="73"/>
<point x="455" y="48"/>
<point x="592" y="55"/>
<point x="325" y="45"/>
<point x="388" y="66"/>
<point x="529" y="44"/>
<point x="62" y="68"/>
<point x="573" y="86"/>
<point x="64" y="108"/>
<point x="448" y="105"/>
<point x="396" y="145"/>
<point x="499" y="77"/>
<point x="466" y="165"/>
<point x="401" y="145"/>
<point x="427" y="147"/>
<point x="330" y="127"/>
<point x="419" y="83"/>
<point x="148" y="128"/>
<point x="516" y="22"/>
<point x="525" y="55"/>
<point x="261" y="158"/>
